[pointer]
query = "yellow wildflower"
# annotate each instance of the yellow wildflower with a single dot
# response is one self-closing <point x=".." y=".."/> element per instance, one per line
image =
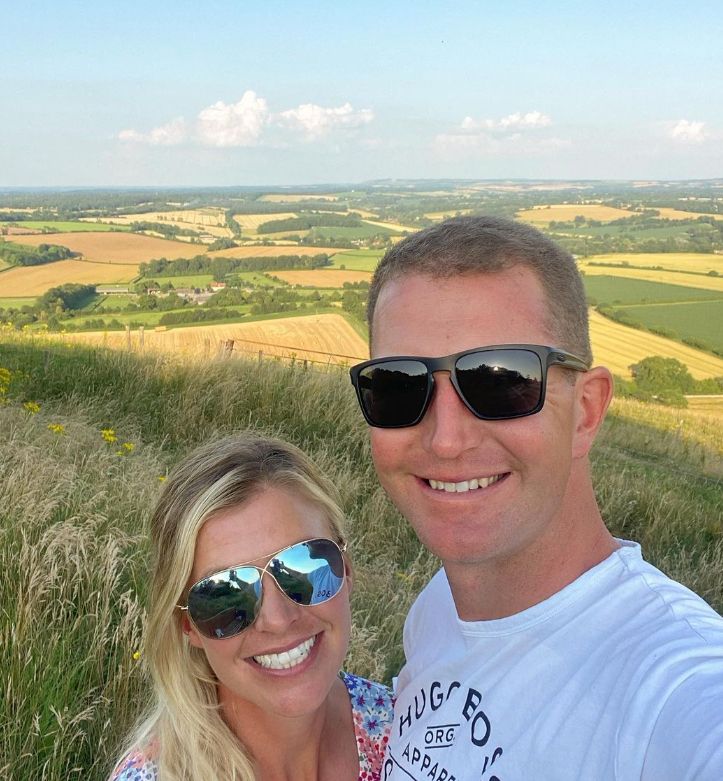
<point x="161" y="478"/>
<point x="136" y="655"/>
<point x="109" y="435"/>
<point x="57" y="428"/>
<point x="128" y="447"/>
<point x="32" y="407"/>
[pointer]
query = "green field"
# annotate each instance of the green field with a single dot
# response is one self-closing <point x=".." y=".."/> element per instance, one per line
<point x="113" y="301"/>
<point x="256" y="278"/>
<point x="700" y="320"/>
<point x="622" y="290"/>
<point x="66" y="227"/>
<point x="357" y="260"/>
<point x="15" y="303"/>
<point x="636" y="234"/>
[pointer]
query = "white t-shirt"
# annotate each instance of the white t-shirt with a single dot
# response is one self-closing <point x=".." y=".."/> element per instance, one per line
<point x="619" y="676"/>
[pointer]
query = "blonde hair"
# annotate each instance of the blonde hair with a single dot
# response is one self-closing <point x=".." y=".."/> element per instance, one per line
<point x="185" y="723"/>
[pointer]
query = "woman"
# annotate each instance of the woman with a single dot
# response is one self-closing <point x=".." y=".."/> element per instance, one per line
<point x="248" y="625"/>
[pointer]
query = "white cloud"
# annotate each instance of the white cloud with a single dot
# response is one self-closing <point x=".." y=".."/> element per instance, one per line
<point x="245" y="122"/>
<point x="316" y="121"/>
<point x="170" y="134"/>
<point x="515" y="135"/>
<point x="689" y="131"/>
<point x="233" y="124"/>
<point x="516" y="121"/>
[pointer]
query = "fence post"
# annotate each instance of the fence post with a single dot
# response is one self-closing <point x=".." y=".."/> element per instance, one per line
<point x="142" y="331"/>
<point x="128" y="338"/>
<point x="261" y="356"/>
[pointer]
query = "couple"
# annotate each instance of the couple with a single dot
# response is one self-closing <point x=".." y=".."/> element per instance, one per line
<point x="544" y="648"/>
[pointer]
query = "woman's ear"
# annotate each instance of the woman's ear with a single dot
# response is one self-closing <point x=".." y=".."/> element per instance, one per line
<point x="593" y="392"/>
<point x="189" y="630"/>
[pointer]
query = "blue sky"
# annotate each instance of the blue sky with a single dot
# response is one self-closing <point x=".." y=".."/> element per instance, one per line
<point x="242" y="93"/>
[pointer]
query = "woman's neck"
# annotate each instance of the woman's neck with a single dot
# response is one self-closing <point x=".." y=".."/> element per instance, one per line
<point x="311" y="747"/>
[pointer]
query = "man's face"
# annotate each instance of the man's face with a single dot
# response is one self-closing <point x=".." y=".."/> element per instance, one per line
<point x="529" y="459"/>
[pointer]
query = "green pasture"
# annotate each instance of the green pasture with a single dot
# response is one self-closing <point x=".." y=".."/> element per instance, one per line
<point x="621" y="290"/>
<point x="63" y="226"/>
<point x="700" y="320"/>
<point x="635" y="234"/>
<point x="357" y="260"/>
<point x="114" y="301"/>
<point x="255" y="278"/>
<point x="15" y="303"/>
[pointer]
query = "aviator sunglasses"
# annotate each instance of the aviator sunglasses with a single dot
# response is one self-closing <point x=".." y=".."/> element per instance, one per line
<point x="227" y="602"/>
<point x="500" y="382"/>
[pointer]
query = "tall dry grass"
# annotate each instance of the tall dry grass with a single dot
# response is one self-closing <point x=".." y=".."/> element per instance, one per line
<point x="73" y="561"/>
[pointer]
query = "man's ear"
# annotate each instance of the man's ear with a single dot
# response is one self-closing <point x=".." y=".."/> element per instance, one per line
<point x="593" y="392"/>
<point x="190" y="631"/>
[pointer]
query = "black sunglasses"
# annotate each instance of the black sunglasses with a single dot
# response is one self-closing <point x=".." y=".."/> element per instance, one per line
<point x="227" y="602"/>
<point x="495" y="383"/>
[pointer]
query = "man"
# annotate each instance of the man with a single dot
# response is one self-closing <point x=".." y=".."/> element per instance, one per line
<point x="544" y="648"/>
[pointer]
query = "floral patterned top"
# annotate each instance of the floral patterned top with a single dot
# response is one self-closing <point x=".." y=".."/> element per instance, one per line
<point x="372" y="711"/>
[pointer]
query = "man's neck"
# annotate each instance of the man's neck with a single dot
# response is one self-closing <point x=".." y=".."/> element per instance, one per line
<point x="504" y="586"/>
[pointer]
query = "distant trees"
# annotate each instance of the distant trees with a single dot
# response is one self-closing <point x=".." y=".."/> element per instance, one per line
<point x="22" y="255"/>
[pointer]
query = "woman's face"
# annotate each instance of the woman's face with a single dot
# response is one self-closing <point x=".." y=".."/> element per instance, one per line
<point x="247" y="665"/>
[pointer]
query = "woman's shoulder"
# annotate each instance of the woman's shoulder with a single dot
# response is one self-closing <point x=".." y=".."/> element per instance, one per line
<point x="366" y="694"/>
<point x="372" y="707"/>
<point x="139" y="765"/>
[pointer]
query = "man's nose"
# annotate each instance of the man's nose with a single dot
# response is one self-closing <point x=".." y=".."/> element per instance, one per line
<point x="449" y="428"/>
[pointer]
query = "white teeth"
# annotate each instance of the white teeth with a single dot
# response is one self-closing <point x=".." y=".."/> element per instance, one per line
<point x="286" y="659"/>
<point x="464" y="485"/>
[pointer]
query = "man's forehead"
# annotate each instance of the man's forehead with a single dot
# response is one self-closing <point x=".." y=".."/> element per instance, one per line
<point x="458" y="312"/>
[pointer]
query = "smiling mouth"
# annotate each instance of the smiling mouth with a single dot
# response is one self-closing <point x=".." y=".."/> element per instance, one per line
<point x="465" y="485"/>
<point x="286" y="659"/>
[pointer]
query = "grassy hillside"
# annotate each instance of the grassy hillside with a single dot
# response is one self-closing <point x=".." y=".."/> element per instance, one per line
<point x="73" y="508"/>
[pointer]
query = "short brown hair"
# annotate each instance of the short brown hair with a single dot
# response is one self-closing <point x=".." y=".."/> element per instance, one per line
<point x="485" y="245"/>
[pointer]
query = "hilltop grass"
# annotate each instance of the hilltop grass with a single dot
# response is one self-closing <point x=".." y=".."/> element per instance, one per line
<point x="73" y="560"/>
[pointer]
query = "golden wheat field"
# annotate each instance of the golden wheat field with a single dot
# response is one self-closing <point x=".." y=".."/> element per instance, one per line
<point x="565" y="212"/>
<point x="35" y="280"/>
<point x="209" y="220"/>
<point x="706" y="405"/>
<point x="322" y="277"/>
<point x="320" y="338"/>
<point x="617" y="346"/>
<point x="112" y="247"/>
<point x="251" y="222"/>
<point x="700" y="262"/>
<point x="677" y="214"/>
<point x="261" y="251"/>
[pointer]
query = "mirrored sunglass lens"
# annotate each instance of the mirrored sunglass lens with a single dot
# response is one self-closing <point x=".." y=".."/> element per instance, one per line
<point x="310" y="572"/>
<point x="500" y="383"/>
<point x="394" y="393"/>
<point x="225" y="603"/>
